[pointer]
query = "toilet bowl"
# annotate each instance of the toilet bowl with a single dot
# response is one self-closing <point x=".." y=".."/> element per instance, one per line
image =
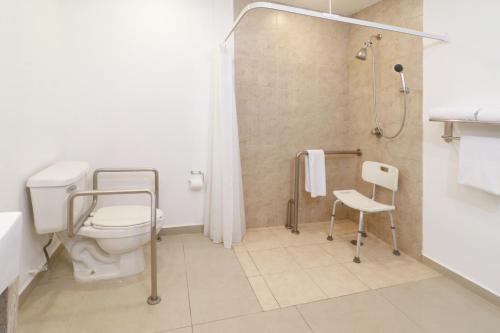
<point x="110" y="242"/>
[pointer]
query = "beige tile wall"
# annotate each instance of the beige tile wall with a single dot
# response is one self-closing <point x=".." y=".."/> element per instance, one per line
<point x="404" y="152"/>
<point x="298" y="86"/>
<point x="291" y="74"/>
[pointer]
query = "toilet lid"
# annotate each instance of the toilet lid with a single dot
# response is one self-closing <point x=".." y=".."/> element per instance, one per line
<point x="123" y="216"/>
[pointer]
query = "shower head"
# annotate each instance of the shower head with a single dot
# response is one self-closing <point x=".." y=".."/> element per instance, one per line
<point x="398" y="68"/>
<point x="361" y="55"/>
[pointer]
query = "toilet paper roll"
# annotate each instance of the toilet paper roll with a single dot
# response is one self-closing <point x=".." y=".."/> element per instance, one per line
<point x="196" y="182"/>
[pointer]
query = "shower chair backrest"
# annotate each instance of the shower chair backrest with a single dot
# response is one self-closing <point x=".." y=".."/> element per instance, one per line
<point x="381" y="175"/>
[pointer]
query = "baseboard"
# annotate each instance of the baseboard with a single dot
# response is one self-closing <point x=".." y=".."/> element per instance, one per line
<point x="474" y="287"/>
<point x="28" y="288"/>
<point x="185" y="229"/>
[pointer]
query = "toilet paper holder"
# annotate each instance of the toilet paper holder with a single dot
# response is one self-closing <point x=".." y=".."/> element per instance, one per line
<point x="198" y="172"/>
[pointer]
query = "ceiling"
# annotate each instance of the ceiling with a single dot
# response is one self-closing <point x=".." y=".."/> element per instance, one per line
<point x="341" y="7"/>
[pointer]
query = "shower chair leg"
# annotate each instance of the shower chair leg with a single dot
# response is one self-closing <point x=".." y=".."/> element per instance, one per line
<point x="332" y="221"/>
<point x="395" y="250"/>
<point x="360" y="234"/>
<point x="363" y="233"/>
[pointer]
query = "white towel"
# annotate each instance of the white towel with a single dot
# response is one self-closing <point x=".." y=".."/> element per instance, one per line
<point x="456" y="113"/>
<point x="489" y="113"/>
<point x="479" y="163"/>
<point x="314" y="171"/>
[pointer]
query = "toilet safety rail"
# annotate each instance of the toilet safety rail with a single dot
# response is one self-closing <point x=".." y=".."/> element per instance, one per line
<point x="292" y="214"/>
<point x="95" y="193"/>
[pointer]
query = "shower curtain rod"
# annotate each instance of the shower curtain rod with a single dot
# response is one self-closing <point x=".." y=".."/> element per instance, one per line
<point x="332" y="17"/>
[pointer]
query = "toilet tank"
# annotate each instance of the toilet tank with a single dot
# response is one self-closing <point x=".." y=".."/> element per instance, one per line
<point x="49" y="190"/>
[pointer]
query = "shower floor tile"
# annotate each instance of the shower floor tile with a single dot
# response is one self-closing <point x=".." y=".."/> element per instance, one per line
<point x="327" y="266"/>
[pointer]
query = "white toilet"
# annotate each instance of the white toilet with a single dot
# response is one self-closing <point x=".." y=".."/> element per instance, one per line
<point x="110" y="242"/>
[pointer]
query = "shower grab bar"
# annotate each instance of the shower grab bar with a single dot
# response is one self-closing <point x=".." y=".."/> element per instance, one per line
<point x="153" y="298"/>
<point x="292" y="218"/>
<point x="448" y="135"/>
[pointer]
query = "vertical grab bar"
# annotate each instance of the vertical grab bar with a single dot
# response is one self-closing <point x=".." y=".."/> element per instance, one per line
<point x="293" y="218"/>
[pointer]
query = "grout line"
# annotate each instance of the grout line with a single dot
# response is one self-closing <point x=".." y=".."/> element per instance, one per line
<point x="187" y="284"/>
<point x="255" y="294"/>
<point x="271" y="291"/>
<point x="175" y="329"/>
<point x="267" y="285"/>
<point x="233" y="317"/>
<point x="303" y="318"/>
<point x="317" y="285"/>
<point x="378" y="291"/>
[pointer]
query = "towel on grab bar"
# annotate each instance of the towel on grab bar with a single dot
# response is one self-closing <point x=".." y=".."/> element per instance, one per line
<point x="315" y="175"/>
<point x="479" y="163"/>
<point x="455" y="113"/>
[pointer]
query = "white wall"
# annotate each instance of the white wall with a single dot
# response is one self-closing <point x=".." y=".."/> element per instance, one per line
<point x="138" y="79"/>
<point x="112" y="82"/>
<point x="461" y="224"/>
<point x="30" y="126"/>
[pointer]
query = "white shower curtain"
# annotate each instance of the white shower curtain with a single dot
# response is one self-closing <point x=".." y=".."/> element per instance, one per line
<point x="224" y="206"/>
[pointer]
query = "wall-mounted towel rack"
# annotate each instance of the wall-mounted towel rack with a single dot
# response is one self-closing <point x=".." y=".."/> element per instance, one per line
<point x="448" y="126"/>
<point x="292" y="215"/>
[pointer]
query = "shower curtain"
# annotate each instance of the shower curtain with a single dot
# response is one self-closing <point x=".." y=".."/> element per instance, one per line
<point x="224" y="207"/>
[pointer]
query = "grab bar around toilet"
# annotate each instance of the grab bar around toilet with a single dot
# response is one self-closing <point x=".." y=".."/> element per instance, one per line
<point x="154" y="298"/>
<point x="95" y="181"/>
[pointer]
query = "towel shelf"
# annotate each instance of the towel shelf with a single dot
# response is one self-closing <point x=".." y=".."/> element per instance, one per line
<point x="448" y="126"/>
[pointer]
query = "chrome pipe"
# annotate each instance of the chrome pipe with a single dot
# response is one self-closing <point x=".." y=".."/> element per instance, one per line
<point x="288" y="224"/>
<point x="153" y="298"/>
<point x="295" y="222"/>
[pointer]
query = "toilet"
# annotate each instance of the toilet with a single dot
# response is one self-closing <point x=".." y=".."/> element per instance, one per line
<point x="109" y="243"/>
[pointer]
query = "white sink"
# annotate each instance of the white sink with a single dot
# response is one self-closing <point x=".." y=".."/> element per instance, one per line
<point x="10" y="248"/>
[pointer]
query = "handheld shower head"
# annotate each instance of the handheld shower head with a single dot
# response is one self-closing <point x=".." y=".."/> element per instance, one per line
<point x="399" y="69"/>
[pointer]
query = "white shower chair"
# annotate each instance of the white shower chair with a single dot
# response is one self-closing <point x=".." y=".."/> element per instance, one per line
<point x="379" y="175"/>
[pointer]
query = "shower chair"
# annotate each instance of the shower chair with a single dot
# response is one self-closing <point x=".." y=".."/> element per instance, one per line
<point x="378" y="174"/>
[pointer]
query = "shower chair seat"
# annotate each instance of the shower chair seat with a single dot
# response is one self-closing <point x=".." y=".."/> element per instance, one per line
<point x="378" y="174"/>
<point x="358" y="201"/>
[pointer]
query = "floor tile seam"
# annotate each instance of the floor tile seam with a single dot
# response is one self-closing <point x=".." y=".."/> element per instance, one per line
<point x="271" y="291"/>
<point x="316" y="284"/>
<point x="229" y="318"/>
<point x="255" y="293"/>
<point x="253" y="262"/>
<point x="187" y="284"/>
<point x="268" y="288"/>
<point x="288" y="254"/>
<point x="312" y="280"/>
<point x="399" y="309"/>
<point x="304" y="318"/>
<point x="287" y="251"/>
<point x="173" y="329"/>
<point x="356" y="275"/>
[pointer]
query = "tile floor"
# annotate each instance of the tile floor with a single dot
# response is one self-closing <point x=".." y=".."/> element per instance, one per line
<point x="273" y="282"/>
<point x="297" y="269"/>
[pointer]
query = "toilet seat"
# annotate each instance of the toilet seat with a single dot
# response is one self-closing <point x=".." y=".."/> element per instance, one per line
<point x="120" y="221"/>
<point x="120" y="217"/>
